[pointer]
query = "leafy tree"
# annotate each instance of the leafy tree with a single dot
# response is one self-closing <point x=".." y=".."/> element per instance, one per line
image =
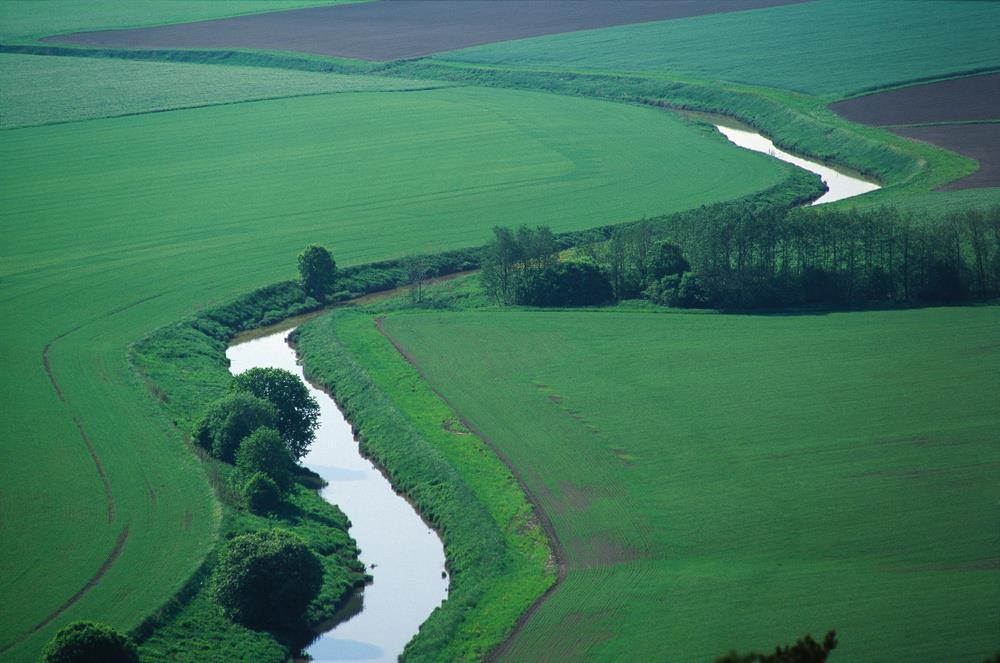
<point x="89" y="642"/>
<point x="229" y="420"/>
<point x="317" y="271"/>
<point x="566" y="284"/>
<point x="298" y="411"/>
<point x="415" y="271"/>
<point x="266" y="579"/>
<point x="668" y="260"/>
<point x="805" y="650"/>
<point x="263" y="451"/>
<point x="260" y="494"/>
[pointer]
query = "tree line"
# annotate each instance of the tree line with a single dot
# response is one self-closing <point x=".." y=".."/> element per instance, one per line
<point x="755" y="256"/>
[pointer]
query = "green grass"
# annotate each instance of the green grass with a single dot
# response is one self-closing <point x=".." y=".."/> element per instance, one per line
<point x="36" y="89"/>
<point x="725" y="482"/>
<point x="825" y="47"/>
<point x="25" y="19"/>
<point x="115" y="227"/>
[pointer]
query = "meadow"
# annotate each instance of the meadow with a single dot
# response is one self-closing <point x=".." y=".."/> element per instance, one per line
<point x="820" y="48"/>
<point x="724" y="482"/>
<point x="116" y="227"/>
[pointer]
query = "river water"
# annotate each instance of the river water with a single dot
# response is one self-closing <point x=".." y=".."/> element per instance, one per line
<point x="841" y="184"/>
<point x="404" y="555"/>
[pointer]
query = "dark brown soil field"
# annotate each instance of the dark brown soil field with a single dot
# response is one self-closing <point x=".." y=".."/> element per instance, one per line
<point x="955" y="100"/>
<point x="979" y="141"/>
<point x="394" y="29"/>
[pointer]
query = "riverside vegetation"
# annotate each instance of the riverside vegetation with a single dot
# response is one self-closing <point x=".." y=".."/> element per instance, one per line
<point x="149" y="499"/>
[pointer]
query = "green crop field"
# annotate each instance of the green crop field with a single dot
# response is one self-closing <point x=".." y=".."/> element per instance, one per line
<point x="26" y="19"/>
<point x="725" y="482"/>
<point x="115" y="227"/>
<point x="36" y="89"/>
<point x="822" y="47"/>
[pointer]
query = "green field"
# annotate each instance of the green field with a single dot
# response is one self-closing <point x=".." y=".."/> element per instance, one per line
<point x="36" y="89"/>
<point x="26" y="19"/>
<point x="115" y="227"/>
<point x="724" y="482"/>
<point x="823" y="47"/>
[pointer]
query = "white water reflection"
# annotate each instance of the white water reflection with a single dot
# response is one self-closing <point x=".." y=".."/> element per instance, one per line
<point x="405" y="557"/>
<point x="841" y="185"/>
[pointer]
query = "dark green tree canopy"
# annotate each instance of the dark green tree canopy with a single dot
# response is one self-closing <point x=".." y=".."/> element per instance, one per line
<point x="267" y="579"/>
<point x="260" y="494"/>
<point x="298" y="411"/>
<point x="263" y="451"/>
<point x="565" y="284"/>
<point x="230" y="419"/>
<point x="317" y="271"/>
<point x="89" y="642"/>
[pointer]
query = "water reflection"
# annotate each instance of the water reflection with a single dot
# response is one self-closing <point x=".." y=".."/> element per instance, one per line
<point x="404" y="556"/>
<point x="841" y="185"/>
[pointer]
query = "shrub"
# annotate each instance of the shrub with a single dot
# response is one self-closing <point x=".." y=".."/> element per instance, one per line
<point x="263" y="451"/>
<point x="260" y="493"/>
<point x="565" y="284"/>
<point x="317" y="271"/>
<point x="89" y="642"/>
<point x="298" y="411"/>
<point x="266" y="579"/>
<point x="229" y="420"/>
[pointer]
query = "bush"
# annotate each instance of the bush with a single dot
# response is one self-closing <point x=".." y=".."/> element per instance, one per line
<point x="89" y="642"/>
<point x="261" y="494"/>
<point x="263" y="451"/>
<point x="229" y="420"/>
<point x="267" y="579"/>
<point x="317" y="271"/>
<point x="565" y="284"/>
<point x="298" y="411"/>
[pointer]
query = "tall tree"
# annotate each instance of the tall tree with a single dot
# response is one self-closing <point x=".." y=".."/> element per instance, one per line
<point x="317" y="271"/>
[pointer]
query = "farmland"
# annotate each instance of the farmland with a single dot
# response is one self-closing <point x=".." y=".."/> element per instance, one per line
<point x="394" y="30"/>
<point x="43" y="90"/>
<point x="192" y="206"/>
<point x="819" y="48"/>
<point x="838" y="469"/>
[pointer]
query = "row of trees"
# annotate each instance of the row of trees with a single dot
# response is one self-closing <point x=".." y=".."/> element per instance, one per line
<point x="747" y="256"/>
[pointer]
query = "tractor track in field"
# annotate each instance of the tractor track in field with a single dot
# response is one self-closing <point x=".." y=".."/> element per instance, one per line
<point x="68" y="603"/>
<point x="541" y="517"/>
<point x="47" y="364"/>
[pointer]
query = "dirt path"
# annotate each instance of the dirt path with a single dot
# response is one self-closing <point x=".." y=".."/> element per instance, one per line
<point x="558" y="554"/>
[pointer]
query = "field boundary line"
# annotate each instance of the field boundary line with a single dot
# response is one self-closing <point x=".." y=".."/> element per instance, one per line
<point x="229" y="103"/>
<point x="543" y="519"/>
<point x="90" y="584"/>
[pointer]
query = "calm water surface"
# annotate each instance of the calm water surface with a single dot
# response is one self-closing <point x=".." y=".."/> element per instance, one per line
<point x="407" y="555"/>
<point x="842" y="185"/>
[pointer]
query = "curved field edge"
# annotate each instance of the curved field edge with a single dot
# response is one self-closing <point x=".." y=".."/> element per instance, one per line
<point x="183" y="366"/>
<point x="497" y="555"/>
<point x="796" y="122"/>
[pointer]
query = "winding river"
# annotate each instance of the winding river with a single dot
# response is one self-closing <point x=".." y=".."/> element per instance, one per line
<point x="404" y="555"/>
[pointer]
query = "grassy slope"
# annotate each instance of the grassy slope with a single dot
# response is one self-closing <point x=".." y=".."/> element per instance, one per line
<point x="825" y="47"/>
<point x="41" y="90"/>
<point x="25" y="19"/>
<point x="115" y="227"/>
<point x="736" y="481"/>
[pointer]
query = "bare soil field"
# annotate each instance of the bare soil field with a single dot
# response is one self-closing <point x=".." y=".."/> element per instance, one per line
<point x="978" y="141"/>
<point x="394" y="29"/>
<point x="953" y="100"/>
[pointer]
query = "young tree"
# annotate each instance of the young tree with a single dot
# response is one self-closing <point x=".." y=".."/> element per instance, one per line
<point x="317" y="271"/>
<point x="298" y="411"/>
<point x="267" y="579"/>
<point x="260" y="494"/>
<point x="264" y="451"/>
<point x="89" y="642"/>
<point x="415" y="273"/>
<point x="229" y="420"/>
